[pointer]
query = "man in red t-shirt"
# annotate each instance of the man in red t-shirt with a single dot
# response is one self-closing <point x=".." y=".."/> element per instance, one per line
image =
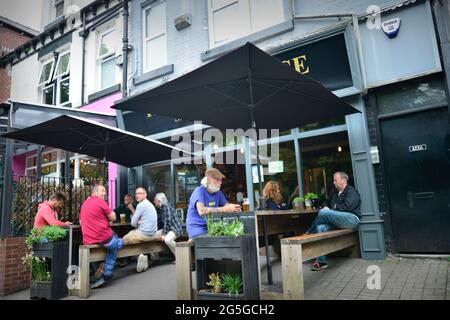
<point x="95" y="218"/>
<point x="47" y="214"/>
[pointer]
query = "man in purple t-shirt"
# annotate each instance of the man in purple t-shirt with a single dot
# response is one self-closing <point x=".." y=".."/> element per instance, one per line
<point x="207" y="199"/>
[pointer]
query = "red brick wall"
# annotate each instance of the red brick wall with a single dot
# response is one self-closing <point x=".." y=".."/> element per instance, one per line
<point x="14" y="276"/>
<point x="9" y="40"/>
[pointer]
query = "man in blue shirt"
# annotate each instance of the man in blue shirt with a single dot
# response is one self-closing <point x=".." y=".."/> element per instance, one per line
<point x="207" y="199"/>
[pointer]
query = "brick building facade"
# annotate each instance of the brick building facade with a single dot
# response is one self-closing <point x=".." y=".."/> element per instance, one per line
<point x="12" y="35"/>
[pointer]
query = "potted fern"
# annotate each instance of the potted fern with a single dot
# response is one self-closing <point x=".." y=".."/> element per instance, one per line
<point x="224" y="287"/>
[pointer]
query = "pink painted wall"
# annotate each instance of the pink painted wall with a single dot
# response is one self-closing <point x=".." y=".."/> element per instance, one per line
<point x="112" y="172"/>
<point x="19" y="165"/>
<point x="103" y="105"/>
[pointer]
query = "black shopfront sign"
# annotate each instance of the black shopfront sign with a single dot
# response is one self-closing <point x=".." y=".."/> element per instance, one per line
<point x="325" y="61"/>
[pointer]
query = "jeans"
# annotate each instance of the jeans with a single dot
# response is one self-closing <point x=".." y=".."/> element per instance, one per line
<point x="111" y="255"/>
<point x="328" y="220"/>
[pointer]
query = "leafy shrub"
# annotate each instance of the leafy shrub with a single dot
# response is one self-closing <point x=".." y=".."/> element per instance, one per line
<point x="232" y="283"/>
<point x="45" y="234"/>
<point x="225" y="228"/>
<point x="311" y="196"/>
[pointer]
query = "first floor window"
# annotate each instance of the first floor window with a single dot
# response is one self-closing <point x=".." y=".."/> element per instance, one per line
<point x="108" y="73"/>
<point x="155" y="37"/>
<point x="233" y="19"/>
<point x="55" y="81"/>
<point x="106" y="59"/>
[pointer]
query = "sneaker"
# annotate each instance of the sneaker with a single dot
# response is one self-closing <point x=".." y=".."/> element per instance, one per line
<point x="142" y="263"/>
<point x="99" y="283"/>
<point x="317" y="266"/>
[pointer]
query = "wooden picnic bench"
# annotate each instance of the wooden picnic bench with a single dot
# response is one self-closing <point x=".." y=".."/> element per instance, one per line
<point x="94" y="253"/>
<point x="296" y="250"/>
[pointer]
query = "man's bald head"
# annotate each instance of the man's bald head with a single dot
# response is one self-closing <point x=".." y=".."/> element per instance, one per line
<point x="99" y="191"/>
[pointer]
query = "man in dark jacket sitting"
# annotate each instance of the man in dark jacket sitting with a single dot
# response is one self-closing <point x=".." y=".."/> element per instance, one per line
<point x="344" y="213"/>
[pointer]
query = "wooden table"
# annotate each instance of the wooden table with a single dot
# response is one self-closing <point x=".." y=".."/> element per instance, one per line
<point x="275" y="222"/>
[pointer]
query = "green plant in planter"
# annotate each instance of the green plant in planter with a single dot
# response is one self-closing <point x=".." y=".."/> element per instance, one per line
<point x="38" y="267"/>
<point x="298" y="200"/>
<point x="45" y="234"/>
<point x="232" y="283"/>
<point x="311" y="196"/>
<point x="215" y="282"/>
<point x="225" y="228"/>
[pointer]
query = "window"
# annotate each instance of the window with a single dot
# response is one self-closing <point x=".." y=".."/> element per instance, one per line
<point x="46" y="72"/>
<point x="247" y="16"/>
<point x="55" y="81"/>
<point x="155" y="37"/>
<point x="53" y="164"/>
<point x="62" y="66"/>
<point x="48" y="164"/>
<point x="59" y="8"/>
<point x="106" y="59"/>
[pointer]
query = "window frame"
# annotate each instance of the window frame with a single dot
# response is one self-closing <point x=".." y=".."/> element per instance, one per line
<point x="99" y="44"/>
<point x="248" y="9"/>
<point x="100" y="59"/>
<point x="54" y="80"/>
<point x="60" y="55"/>
<point x="50" y="76"/>
<point x="56" y="4"/>
<point x="145" y="39"/>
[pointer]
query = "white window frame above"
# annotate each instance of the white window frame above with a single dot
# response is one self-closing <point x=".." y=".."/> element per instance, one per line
<point x="50" y="76"/>
<point x="105" y="57"/>
<point x="54" y="80"/>
<point x="99" y="45"/>
<point x="247" y="15"/>
<point x="57" y="2"/>
<point x="146" y="39"/>
<point x="62" y="54"/>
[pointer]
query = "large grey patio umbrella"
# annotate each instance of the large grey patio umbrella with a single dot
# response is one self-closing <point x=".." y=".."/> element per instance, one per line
<point x="97" y="140"/>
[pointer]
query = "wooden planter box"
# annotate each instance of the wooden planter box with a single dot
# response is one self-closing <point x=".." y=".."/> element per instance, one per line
<point x="209" y="295"/>
<point x="233" y="255"/>
<point x="57" y="254"/>
<point x="41" y="290"/>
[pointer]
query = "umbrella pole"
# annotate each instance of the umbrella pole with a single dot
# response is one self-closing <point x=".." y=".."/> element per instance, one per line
<point x="262" y="202"/>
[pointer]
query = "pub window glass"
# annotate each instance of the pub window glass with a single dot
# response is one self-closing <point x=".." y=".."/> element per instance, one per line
<point x="411" y="95"/>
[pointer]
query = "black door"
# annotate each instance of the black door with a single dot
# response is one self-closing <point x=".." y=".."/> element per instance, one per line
<point x="417" y="164"/>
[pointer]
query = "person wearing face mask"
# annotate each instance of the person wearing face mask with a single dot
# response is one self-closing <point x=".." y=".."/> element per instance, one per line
<point x="47" y="214"/>
<point x="207" y="199"/>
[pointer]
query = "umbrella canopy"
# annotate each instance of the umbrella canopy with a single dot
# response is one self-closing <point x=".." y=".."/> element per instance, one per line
<point x="244" y="85"/>
<point x="97" y="140"/>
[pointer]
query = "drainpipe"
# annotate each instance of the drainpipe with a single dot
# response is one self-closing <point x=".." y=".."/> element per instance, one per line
<point x="7" y="194"/>
<point x="83" y="56"/>
<point x="125" y="49"/>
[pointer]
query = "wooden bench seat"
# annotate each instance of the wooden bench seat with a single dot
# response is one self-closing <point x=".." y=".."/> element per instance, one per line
<point x="93" y="253"/>
<point x="298" y="249"/>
